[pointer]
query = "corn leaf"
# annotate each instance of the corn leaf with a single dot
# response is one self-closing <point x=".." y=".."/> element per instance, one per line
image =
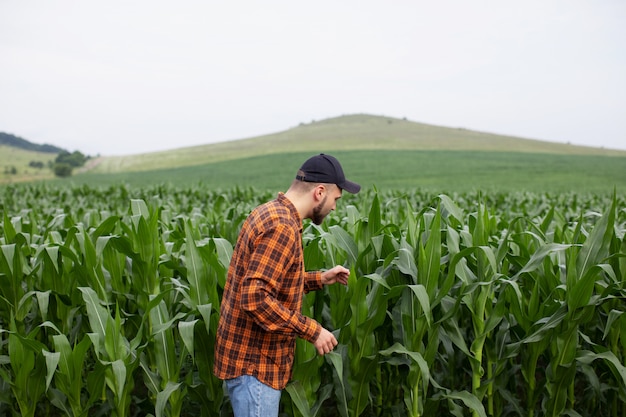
<point x="163" y="397"/>
<point x="298" y="396"/>
<point x="470" y="401"/>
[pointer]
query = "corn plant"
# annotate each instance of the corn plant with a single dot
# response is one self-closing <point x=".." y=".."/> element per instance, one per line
<point x="502" y="304"/>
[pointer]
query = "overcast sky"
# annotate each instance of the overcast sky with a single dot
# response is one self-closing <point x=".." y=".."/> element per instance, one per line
<point x="121" y="77"/>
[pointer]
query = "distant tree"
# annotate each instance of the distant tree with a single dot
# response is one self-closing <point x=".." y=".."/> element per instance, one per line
<point x="36" y="164"/>
<point x="18" y="142"/>
<point x="10" y="170"/>
<point x="62" y="169"/>
<point x="75" y="159"/>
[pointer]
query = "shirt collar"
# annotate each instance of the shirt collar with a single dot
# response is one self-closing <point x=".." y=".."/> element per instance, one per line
<point x="282" y="198"/>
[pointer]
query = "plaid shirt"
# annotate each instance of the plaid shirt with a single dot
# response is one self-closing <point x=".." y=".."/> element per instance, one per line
<point x="260" y="314"/>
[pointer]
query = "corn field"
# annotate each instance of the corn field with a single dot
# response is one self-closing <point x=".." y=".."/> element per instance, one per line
<point x="511" y="304"/>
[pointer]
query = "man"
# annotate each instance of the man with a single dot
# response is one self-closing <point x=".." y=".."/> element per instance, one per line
<point x="261" y="306"/>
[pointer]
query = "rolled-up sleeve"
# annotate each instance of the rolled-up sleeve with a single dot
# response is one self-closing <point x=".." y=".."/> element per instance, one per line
<point x="313" y="281"/>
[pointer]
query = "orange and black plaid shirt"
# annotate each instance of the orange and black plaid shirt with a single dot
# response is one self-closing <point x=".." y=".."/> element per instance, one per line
<point x="260" y="315"/>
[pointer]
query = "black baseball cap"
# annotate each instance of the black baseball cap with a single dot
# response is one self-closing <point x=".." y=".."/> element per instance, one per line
<point x="326" y="169"/>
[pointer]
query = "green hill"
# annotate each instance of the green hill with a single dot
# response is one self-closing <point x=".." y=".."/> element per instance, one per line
<point x="344" y="133"/>
<point x="16" y="164"/>
<point x="21" y="160"/>
<point x="378" y="152"/>
<point x="21" y="143"/>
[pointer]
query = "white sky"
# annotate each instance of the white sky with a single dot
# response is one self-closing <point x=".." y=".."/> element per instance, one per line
<point x="121" y="77"/>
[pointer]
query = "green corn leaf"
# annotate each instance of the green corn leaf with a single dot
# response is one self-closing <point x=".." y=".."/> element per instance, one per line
<point x="196" y="270"/>
<point x="596" y="247"/>
<point x="186" y="331"/>
<point x="495" y="316"/>
<point x="24" y="306"/>
<point x="224" y="250"/>
<point x="358" y="307"/>
<point x="52" y="254"/>
<point x="113" y="339"/>
<point x="43" y="301"/>
<point x="163" y="397"/>
<point x="581" y="291"/>
<point x="378" y="279"/>
<point x="8" y="228"/>
<point x="98" y="316"/>
<point x="152" y="380"/>
<point x="336" y="361"/>
<point x="453" y="241"/>
<point x="29" y="369"/>
<point x="538" y="257"/>
<point x="470" y="401"/>
<point x="344" y="242"/>
<point x="558" y="398"/>
<point x="614" y="315"/>
<point x="205" y="311"/>
<point x="62" y="347"/>
<point x="360" y="381"/>
<point x="452" y="333"/>
<point x="374" y="217"/>
<point x="52" y="361"/>
<point x="92" y="266"/>
<point x="298" y="397"/>
<point x="139" y="208"/>
<point x="406" y="262"/>
<point x="567" y="346"/>
<point x="547" y="324"/>
<point x="114" y="262"/>
<point x="119" y="377"/>
<point x="416" y="357"/>
<point x="163" y="341"/>
<point x="430" y="257"/>
<point x="9" y="267"/>
<point x="616" y="365"/>
<point x="107" y="226"/>
<point x="451" y="208"/>
<point x="96" y="379"/>
<point x="422" y="297"/>
<point x="58" y="399"/>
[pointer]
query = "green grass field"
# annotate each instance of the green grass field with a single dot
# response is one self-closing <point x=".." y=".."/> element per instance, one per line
<point x="344" y="133"/>
<point x="376" y="151"/>
<point x="11" y="157"/>
<point x="444" y="171"/>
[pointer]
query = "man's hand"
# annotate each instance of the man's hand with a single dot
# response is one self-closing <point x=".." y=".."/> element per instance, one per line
<point x="336" y="274"/>
<point x="325" y="343"/>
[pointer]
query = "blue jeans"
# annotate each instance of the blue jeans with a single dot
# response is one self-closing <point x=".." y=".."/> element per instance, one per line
<point x="252" y="398"/>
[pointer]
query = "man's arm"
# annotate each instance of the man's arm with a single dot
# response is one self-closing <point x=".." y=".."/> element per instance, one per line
<point x="316" y="280"/>
<point x="266" y="269"/>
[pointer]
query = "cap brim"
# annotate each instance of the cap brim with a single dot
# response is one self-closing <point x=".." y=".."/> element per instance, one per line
<point x="349" y="186"/>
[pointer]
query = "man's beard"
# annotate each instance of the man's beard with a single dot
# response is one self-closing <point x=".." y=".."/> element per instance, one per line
<point x="318" y="216"/>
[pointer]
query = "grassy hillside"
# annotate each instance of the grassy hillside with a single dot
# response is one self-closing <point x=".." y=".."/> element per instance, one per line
<point x="14" y="165"/>
<point x="362" y="132"/>
<point x="377" y="152"/>
<point x="439" y="171"/>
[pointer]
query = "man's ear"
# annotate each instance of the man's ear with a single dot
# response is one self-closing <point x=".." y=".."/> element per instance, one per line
<point x="319" y="191"/>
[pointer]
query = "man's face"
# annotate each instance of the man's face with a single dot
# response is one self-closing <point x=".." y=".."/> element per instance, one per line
<point x="326" y="205"/>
